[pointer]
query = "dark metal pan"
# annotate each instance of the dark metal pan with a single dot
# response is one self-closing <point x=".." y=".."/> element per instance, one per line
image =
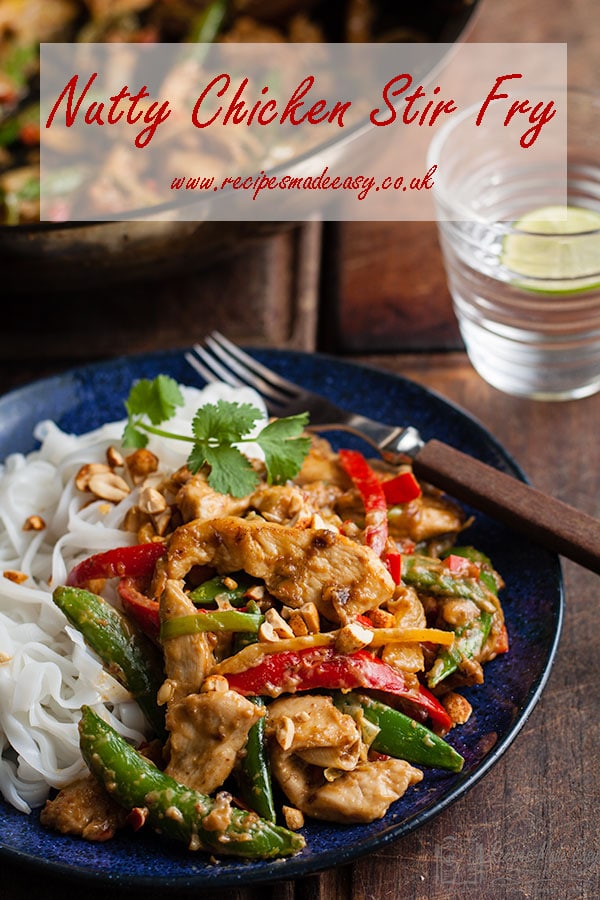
<point x="64" y="257"/>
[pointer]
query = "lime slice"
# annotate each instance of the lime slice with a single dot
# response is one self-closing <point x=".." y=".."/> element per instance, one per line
<point x="557" y="247"/>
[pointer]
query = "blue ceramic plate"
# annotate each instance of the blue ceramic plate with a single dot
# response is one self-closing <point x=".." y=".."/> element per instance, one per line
<point x="85" y="398"/>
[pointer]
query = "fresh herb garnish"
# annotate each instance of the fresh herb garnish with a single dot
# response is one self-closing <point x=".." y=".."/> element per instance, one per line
<point x="216" y="430"/>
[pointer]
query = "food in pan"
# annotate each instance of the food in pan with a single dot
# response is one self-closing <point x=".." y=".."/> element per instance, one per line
<point x="219" y="644"/>
<point x="98" y="176"/>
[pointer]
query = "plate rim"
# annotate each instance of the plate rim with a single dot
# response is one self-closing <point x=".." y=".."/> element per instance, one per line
<point x="297" y="866"/>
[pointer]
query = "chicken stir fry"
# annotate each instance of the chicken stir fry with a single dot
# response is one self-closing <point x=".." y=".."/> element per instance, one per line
<point x="310" y="638"/>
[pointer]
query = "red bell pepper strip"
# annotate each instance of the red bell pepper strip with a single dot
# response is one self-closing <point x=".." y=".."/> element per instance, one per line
<point x="137" y="561"/>
<point x="460" y="565"/>
<point x="502" y="645"/>
<point x="401" y="489"/>
<point x="323" y="668"/>
<point x="369" y="487"/>
<point x="142" y="609"/>
<point x="393" y="562"/>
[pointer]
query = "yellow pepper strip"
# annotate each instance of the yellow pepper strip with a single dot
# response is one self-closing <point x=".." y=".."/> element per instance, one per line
<point x="383" y="636"/>
<point x="248" y="656"/>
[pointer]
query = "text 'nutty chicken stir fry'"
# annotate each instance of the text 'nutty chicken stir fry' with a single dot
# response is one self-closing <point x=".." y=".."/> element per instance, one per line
<point x="296" y="648"/>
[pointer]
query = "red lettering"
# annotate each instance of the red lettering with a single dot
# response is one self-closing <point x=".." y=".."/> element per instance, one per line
<point x="235" y="110"/>
<point x="69" y="92"/>
<point x="209" y="87"/>
<point x="408" y="116"/>
<point x="296" y="101"/>
<point x="390" y="91"/>
<point x="494" y="96"/>
<point x="270" y="106"/>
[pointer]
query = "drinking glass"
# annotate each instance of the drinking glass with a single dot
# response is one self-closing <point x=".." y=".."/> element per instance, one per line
<point x="522" y="257"/>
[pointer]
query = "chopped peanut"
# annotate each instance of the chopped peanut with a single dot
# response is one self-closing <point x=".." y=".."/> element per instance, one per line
<point x="108" y="486"/>
<point x="294" y="818"/>
<point x="166" y="692"/>
<point x="352" y="637"/>
<point x="267" y="634"/>
<point x="82" y="479"/>
<point x="141" y="463"/>
<point x="114" y="458"/>
<point x="152" y="501"/>
<point x="215" y="683"/>
<point x="279" y="625"/>
<point x="297" y="624"/>
<point x="134" y="519"/>
<point x="147" y="533"/>
<point x="284" y="732"/>
<point x="230" y="583"/>
<point x="137" y="817"/>
<point x="381" y="619"/>
<point x="13" y="575"/>
<point x="458" y="707"/>
<point x="162" y="521"/>
<point x="34" y="523"/>
<point x="310" y="614"/>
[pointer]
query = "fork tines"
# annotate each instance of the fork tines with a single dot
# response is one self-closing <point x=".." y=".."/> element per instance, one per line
<point x="218" y="359"/>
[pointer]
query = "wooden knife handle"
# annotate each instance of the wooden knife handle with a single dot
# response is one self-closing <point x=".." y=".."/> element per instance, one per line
<point x="551" y="523"/>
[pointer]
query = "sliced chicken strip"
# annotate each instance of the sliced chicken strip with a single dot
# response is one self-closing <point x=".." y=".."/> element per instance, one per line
<point x="298" y="565"/>
<point x="361" y="795"/>
<point x="189" y="658"/>
<point x="315" y="730"/>
<point x="207" y="732"/>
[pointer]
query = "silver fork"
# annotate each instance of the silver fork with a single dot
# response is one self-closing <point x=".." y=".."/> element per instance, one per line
<point x="218" y="359"/>
<point x="550" y="522"/>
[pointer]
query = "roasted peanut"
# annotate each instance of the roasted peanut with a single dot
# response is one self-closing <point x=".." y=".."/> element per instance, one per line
<point x="109" y="486"/>
<point x="86" y="472"/>
<point x="34" y="523"/>
<point x="140" y="464"/>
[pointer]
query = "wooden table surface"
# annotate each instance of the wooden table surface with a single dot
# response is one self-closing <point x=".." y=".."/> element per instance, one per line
<point x="529" y="829"/>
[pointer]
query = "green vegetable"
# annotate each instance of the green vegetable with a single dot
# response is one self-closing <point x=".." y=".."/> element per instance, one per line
<point x="254" y="776"/>
<point x="217" y="430"/>
<point x="429" y="574"/>
<point x="398" y="735"/>
<point x="206" y="25"/>
<point x="207" y="592"/>
<point x="219" y="620"/>
<point x="172" y="808"/>
<point x="488" y="574"/>
<point x="19" y="62"/>
<point x="10" y="129"/>
<point x="129" y="655"/>
<point x="468" y="642"/>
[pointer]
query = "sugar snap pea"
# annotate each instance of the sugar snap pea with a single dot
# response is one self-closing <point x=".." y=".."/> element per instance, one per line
<point x="398" y="735"/>
<point x="217" y="620"/>
<point x="173" y="809"/>
<point x="488" y="575"/>
<point x="254" y="776"/>
<point x="231" y="587"/>
<point x="127" y="653"/>
<point x="468" y="642"/>
<point x="429" y="574"/>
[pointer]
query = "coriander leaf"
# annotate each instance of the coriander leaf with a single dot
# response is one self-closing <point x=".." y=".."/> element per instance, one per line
<point x="230" y="471"/>
<point x="284" y="449"/>
<point x="133" y="437"/>
<point x="157" y="399"/>
<point x="224" y="422"/>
